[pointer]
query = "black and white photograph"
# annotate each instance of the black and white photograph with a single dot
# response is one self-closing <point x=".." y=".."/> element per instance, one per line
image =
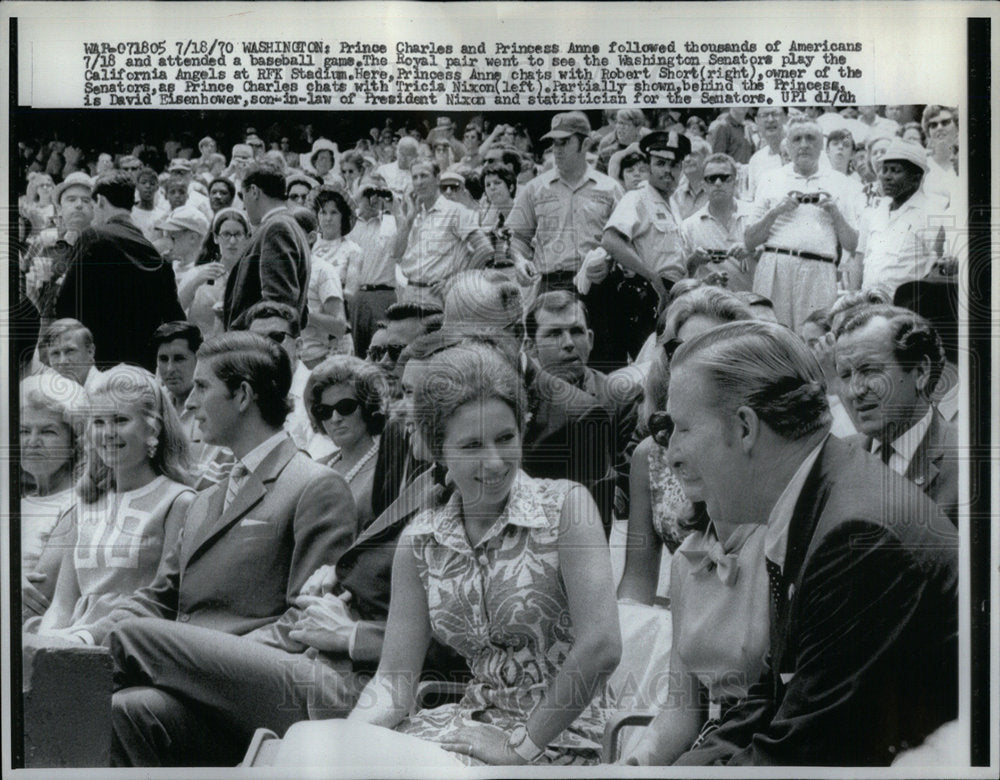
<point x="422" y="389"/>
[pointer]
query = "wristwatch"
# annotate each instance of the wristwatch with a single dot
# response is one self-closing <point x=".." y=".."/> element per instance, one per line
<point x="521" y="744"/>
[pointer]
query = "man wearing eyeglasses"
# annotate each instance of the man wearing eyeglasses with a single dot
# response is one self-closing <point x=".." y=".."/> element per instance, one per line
<point x="714" y="235"/>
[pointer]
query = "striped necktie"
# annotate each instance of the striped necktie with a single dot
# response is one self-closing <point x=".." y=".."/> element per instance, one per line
<point x="237" y="476"/>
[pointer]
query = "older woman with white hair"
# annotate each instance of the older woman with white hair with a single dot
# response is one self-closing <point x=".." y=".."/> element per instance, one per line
<point x="131" y="500"/>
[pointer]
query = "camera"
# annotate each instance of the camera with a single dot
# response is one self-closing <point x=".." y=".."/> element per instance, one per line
<point x="809" y="197"/>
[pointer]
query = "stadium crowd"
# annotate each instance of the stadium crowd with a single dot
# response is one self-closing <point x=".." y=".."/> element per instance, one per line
<point x="581" y="423"/>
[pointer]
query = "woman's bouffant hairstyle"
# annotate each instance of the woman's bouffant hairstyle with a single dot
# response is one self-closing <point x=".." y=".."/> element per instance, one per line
<point x="370" y="387"/>
<point x="766" y="367"/>
<point x="167" y="442"/>
<point x="459" y="375"/>
<point x="53" y="393"/>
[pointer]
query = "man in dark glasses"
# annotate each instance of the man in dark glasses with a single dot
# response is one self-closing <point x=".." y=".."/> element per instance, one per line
<point x="405" y="322"/>
<point x="713" y="235"/>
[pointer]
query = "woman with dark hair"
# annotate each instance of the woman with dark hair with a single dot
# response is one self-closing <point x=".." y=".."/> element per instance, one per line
<point x="204" y="287"/>
<point x="499" y="187"/>
<point x="346" y="399"/>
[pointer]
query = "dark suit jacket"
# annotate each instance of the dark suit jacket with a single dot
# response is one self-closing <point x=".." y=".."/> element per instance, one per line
<point x="238" y="570"/>
<point x="275" y="267"/>
<point x="934" y="466"/>
<point x="570" y="437"/>
<point x="121" y="289"/>
<point x="864" y="642"/>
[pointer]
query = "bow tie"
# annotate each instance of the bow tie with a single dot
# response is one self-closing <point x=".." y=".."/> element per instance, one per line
<point x="726" y="565"/>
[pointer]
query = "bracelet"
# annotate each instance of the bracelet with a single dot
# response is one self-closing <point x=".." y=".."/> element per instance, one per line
<point x="523" y="746"/>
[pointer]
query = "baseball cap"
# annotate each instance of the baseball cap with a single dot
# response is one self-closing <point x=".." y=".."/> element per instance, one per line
<point x="567" y="124"/>
<point x="179" y="164"/>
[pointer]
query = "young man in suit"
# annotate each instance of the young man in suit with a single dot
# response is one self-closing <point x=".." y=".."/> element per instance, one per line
<point x="891" y="359"/>
<point x="275" y="266"/>
<point x="863" y="567"/>
<point x="248" y="546"/>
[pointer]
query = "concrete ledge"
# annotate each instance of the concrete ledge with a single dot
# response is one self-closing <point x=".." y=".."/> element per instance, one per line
<point x="67" y="703"/>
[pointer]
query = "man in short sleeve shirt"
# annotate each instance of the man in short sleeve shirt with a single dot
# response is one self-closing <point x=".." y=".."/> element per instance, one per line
<point x="803" y="215"/>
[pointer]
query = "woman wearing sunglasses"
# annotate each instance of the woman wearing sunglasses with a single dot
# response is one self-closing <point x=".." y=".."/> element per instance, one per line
<point x="346" y="398"/>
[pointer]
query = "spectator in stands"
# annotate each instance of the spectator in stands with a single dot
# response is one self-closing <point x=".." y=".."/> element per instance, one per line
<point x="397" y="174"/>
<point x="817" y="333"/>
<point x="347" y="401"/>
<point x="69" y="350"/>
<point x="896" y="242"/>
<point x="561" y="212"/>
<point x="297" y="188"/>
<point x="321" y="160"/>
<point x="629" y="166"/>
<point x="47" y="260"/>
<point x="874" y="124"/>
<point x="370" y="277"/>
<point x="202" y="291"/>
<point x="352" y="168"/>
<point x="50" y="452"/>
<point x="730" y="135"/>
<point x="184" y="230"/>
<point x="840" y="150"/>
<point x="803" y="215"/>
<point x="146" y="214"/>
<point x="239" y="162"/>
<point x="691" y="194"/>
<point x="275" y="265"/>
<point x="940" y="124"/>
<point x="695" y="127"/>
<point x="472" y="138"/>
<point x="332" y="252"/>
<point x="771" y="127"/>
<point x="406" y="322"/>
<point x="442" y="241"/>
<point x="889" y="360"/>
<point x="37" y="205"/>
<point x="221" y="194"/>
<point x="644" y="240"/>
<point x="499" y="188"/>
<point x="628" y="127"/>
<point x="304" y="515"/>
<point x="131" y="505"/>
<point x="714" y="236"/>
<point x="180" y="170"/>
<point x="913" y="132"/>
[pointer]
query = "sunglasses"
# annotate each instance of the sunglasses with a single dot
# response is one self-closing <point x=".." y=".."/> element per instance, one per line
<point x="277" y="336"/>
<point x="376" y="353"/>
<point x="345" y="407"/>
<point x="661" y="427"/>
<point x="449" y="188"/>
<point x="938" y="123"/>
<point x="715" y="178"/>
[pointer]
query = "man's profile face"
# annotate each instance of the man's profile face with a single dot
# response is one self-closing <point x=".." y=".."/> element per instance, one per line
<point x="703" y="451"/>
<point x="563" y="342"/>
<point x="175" y="364"/>
<point x="882" y="395"/>
<point x="399" y="334"/>
<point x="214" y="407"/>
<point x="71" y="357"/>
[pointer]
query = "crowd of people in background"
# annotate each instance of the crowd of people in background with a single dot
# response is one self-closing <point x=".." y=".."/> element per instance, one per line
<point x="582" y="423"/>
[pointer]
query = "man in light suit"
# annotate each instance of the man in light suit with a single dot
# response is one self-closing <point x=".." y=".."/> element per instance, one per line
<point x="863" y="567"/>
<point x="891" y="360"/>
<point x="275" y="266"/>
<point x="247" y="547"/>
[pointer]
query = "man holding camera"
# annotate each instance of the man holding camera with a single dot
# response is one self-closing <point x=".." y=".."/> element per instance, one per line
<point x="804" y="217"/>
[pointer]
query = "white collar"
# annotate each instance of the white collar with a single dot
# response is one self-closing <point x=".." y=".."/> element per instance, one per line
<point x="780" y="519"/>
<point x="255" y="457"/>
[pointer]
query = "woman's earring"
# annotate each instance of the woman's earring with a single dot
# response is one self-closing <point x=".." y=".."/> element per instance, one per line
<point x="151" y="444"/>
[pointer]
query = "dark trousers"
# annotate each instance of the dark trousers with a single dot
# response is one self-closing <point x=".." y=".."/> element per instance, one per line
<point x="366" y="308"/>
<point x="192" y="696"/>
<point x="623" y="311"/>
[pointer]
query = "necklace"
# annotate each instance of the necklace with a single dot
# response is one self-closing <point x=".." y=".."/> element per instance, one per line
<point x="372" y="452"/>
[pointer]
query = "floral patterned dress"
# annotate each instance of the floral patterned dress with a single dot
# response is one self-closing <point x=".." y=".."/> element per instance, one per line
<point x="670" y="505"/>
<point x="503" y="606"/>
